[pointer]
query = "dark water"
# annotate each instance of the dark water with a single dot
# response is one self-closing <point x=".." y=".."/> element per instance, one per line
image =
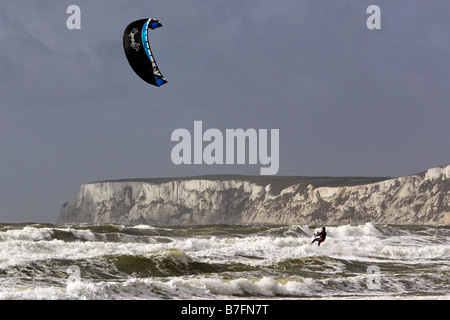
<point x="45" y="261"/>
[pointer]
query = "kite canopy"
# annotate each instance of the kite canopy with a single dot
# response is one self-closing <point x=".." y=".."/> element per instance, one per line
<point x="136" y="44"/>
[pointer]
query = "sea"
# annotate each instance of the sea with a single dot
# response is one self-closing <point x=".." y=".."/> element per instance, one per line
<point x="40" y="261"/>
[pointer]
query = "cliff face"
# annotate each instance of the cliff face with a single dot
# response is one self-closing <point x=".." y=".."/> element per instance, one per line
<point x="417" y="199"/>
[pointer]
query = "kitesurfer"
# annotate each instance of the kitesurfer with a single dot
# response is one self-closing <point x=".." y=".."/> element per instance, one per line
<point x="320" y="237"/>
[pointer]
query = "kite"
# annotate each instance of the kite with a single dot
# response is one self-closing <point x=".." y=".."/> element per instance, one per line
<point x="136" y="44"/>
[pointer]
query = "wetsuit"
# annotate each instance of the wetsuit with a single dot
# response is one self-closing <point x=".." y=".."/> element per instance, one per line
<point x="320" y="237"/>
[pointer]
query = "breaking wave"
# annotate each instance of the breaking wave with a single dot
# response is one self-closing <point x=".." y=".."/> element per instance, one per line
<point x="45" y="261"/>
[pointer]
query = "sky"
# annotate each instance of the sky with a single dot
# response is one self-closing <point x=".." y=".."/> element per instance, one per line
<point x="347" y="100"/>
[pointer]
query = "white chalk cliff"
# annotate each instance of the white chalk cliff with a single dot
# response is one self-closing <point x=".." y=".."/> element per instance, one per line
<point x="422" y="198"/>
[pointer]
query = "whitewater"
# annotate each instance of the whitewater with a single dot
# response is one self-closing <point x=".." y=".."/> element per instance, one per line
<point x="103" y="262"/>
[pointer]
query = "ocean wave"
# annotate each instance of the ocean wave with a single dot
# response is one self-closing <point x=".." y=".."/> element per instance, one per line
<point x="116" y="261"/>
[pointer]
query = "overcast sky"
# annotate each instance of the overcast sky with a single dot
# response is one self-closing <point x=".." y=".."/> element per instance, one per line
<point x="346" y="100"/>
